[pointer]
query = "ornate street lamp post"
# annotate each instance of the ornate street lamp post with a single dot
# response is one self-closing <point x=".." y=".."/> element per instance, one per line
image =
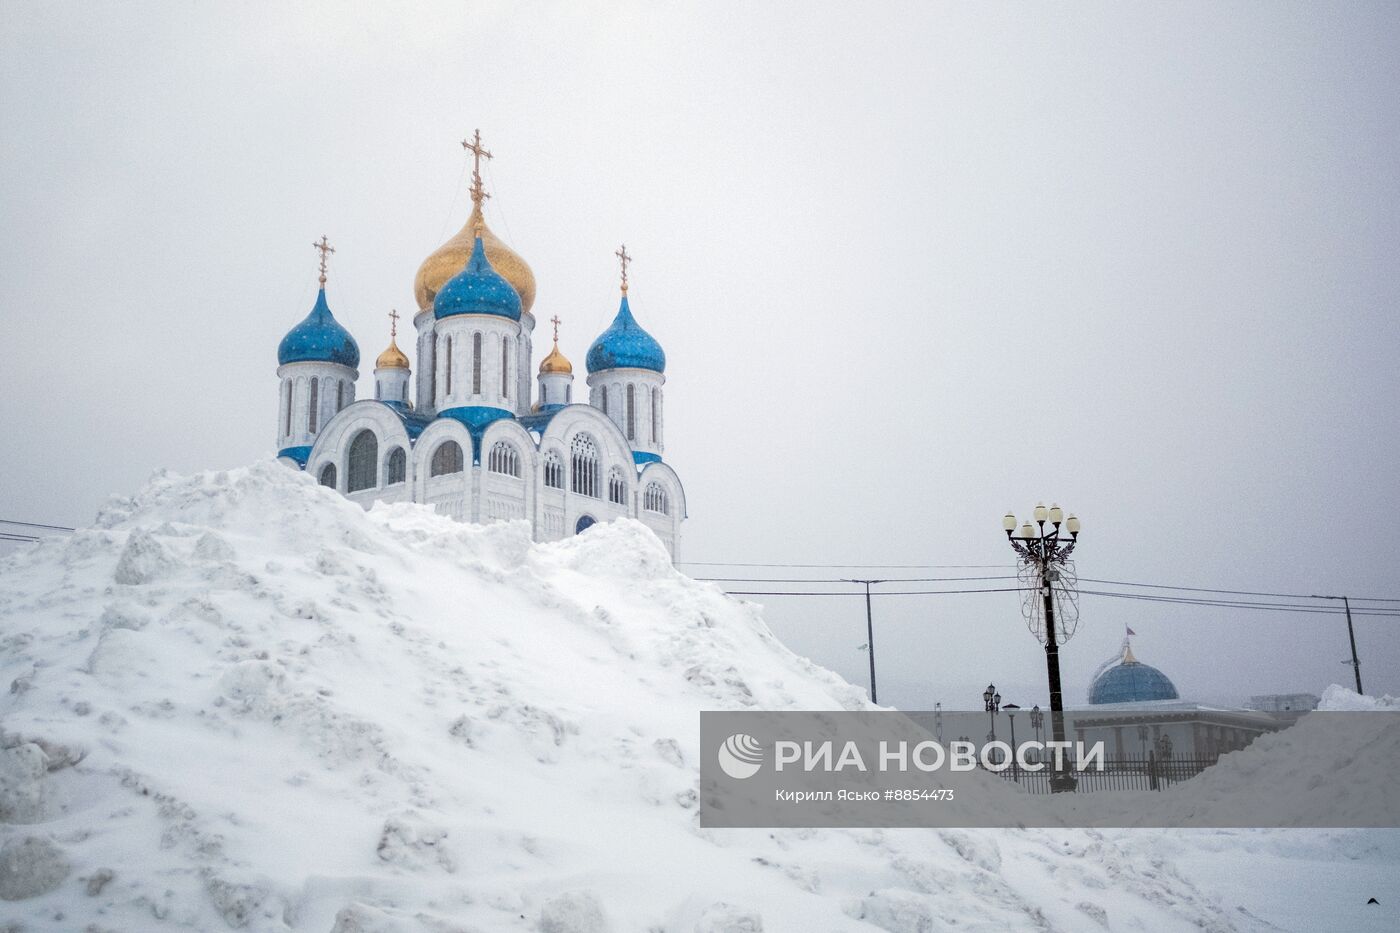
<point x="991" y="700"/>
<point x="1037" y="720"/>
<point x="1010" y="710"/>
<point x="1050" y="607"/>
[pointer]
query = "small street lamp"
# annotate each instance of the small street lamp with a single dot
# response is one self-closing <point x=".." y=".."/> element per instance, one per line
<point x="1044" y="557"/>
<point x="1011" y="709"/>
<point x="1037" y="720"/>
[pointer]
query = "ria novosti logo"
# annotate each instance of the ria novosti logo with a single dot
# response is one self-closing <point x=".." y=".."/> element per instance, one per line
<point x="741" y="756"/>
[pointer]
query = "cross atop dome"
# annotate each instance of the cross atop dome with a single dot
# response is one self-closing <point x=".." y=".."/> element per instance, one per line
<point x="325" y="248"/>
<point x="624" y="258"/>
<point x="478" y="152"/>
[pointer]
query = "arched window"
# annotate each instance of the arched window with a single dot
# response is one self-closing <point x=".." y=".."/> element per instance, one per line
<point x="604" y="396"/>
<point x="505" y="367"/>
<point x="568" y="393"/>
<point x="339" y="394"/>
<point x="362" y="463"/>
<point x="503" y="459"/>
<point x="476" y="364"/>
<point x="448" y="376"/>
<point x="446" y="459"/>
<point x="585" y="522"/>
<point x="617" y="487"/>
<point x="631" y="412"/>
<point x="553" y="470"/>
<point x="287" y="383"/>
<point x="311" y="407"/>
<point x="584" y="466"/>
<point x="396" y="467"/>
<point x="328" y="475"/>
<point x="655" y="415"/>
<point x="654" y="499"/>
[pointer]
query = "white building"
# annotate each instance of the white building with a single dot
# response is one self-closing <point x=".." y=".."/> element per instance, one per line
<point x="474" y="442"/>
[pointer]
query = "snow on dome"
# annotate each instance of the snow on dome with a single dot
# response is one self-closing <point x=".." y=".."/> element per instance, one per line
<point x="241" y="700"/>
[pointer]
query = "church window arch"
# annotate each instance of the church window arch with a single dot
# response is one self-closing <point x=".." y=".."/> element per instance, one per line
<point x="504" y="458"/>
<point x="631" y="412"/>
<point x="505" y="367"/>
<point x="617" y="487"/>
<point x="568" y="394"/>
<point x="584" y="466"/>
<point x="312" y="405"/>
<point x="446" y="459"/>
<point x="476" y="363"/>
<point x="447" y="378"/>
<point x="585" y="522"/>
<point x="604" y="396"/>
<point x="339" y="394"/>
<point x="395" y="467"/>
<point x="553" y="470"/>
<point x="287" y="423"/>
<point x="328" y="475"/>
<point x="655" y="415"/>
<point x="656" y="499"/>
<point x="362" y="462"/>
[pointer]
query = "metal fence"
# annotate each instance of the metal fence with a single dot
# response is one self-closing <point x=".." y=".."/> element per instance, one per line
<point x="1150" y="773"/>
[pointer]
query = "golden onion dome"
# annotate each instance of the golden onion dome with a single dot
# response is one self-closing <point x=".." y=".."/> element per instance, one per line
<point x="451" y="258"/>
<point x="392" y="357"/>
<point x="556" y="362"/>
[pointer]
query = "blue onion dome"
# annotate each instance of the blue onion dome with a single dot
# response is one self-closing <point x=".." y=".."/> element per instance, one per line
<point x="477" y="289"/>
<point x="1131" y="681"/>
<point x="319" y="339"/>
<point x="624" y="345"/>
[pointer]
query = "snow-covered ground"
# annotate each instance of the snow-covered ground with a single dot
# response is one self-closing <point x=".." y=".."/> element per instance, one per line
<point x="241" y="701"/>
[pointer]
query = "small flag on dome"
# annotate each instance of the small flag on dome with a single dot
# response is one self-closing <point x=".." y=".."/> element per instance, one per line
<point x="1131" y="632"/>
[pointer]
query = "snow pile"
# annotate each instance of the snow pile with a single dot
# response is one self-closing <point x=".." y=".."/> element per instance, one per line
<point x="240" y="701"/>
<point x="1338" y="698"/>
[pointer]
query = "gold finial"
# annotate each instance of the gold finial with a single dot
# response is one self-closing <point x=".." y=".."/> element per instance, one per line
<point x="474" y="146"/>
<point x="393" y="323"/>
<point x="324" y="247"/>
<point x="555" y="321"/>
<point x="624" y="258"/>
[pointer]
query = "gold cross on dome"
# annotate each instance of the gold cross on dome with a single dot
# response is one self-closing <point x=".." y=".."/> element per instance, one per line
<point x="555" y="321"/>
<point x="325" y="248"/>
<point x="478" y="152"/>
<point x="624" y="258"/>
<point x="393" y="323"/>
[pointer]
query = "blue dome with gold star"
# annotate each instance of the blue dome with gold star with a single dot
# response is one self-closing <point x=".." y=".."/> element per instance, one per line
<point x="477" y="289"/>
<point x="624" y="345"/>
<point x="319" y="339"/>
<point x="1131" y="681"/>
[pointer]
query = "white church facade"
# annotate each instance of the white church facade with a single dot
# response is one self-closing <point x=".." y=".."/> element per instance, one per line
<point x="474" y="441"/>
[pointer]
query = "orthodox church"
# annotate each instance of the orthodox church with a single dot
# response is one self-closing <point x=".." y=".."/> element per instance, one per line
<point x="466" y="433"/>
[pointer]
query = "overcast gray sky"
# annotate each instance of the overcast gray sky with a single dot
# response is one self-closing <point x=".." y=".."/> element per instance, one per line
<point x="912" y="265"/>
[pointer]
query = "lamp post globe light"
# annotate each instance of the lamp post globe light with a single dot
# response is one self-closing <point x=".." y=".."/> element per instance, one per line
<point x="1050" y="605"/>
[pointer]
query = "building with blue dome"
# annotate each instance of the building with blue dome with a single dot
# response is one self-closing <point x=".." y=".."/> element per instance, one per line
<point x="1131" y="681"/>
<point x="476" y="441"/>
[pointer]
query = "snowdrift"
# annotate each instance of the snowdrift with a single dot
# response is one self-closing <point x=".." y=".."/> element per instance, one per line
<point x="240" y="701"/>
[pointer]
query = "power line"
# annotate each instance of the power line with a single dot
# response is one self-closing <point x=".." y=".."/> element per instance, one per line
<point x="11" y="521"/>
<point x="1201" y="589"/>
<point x="718" y="563"/>
<point x="809" y="580"/>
